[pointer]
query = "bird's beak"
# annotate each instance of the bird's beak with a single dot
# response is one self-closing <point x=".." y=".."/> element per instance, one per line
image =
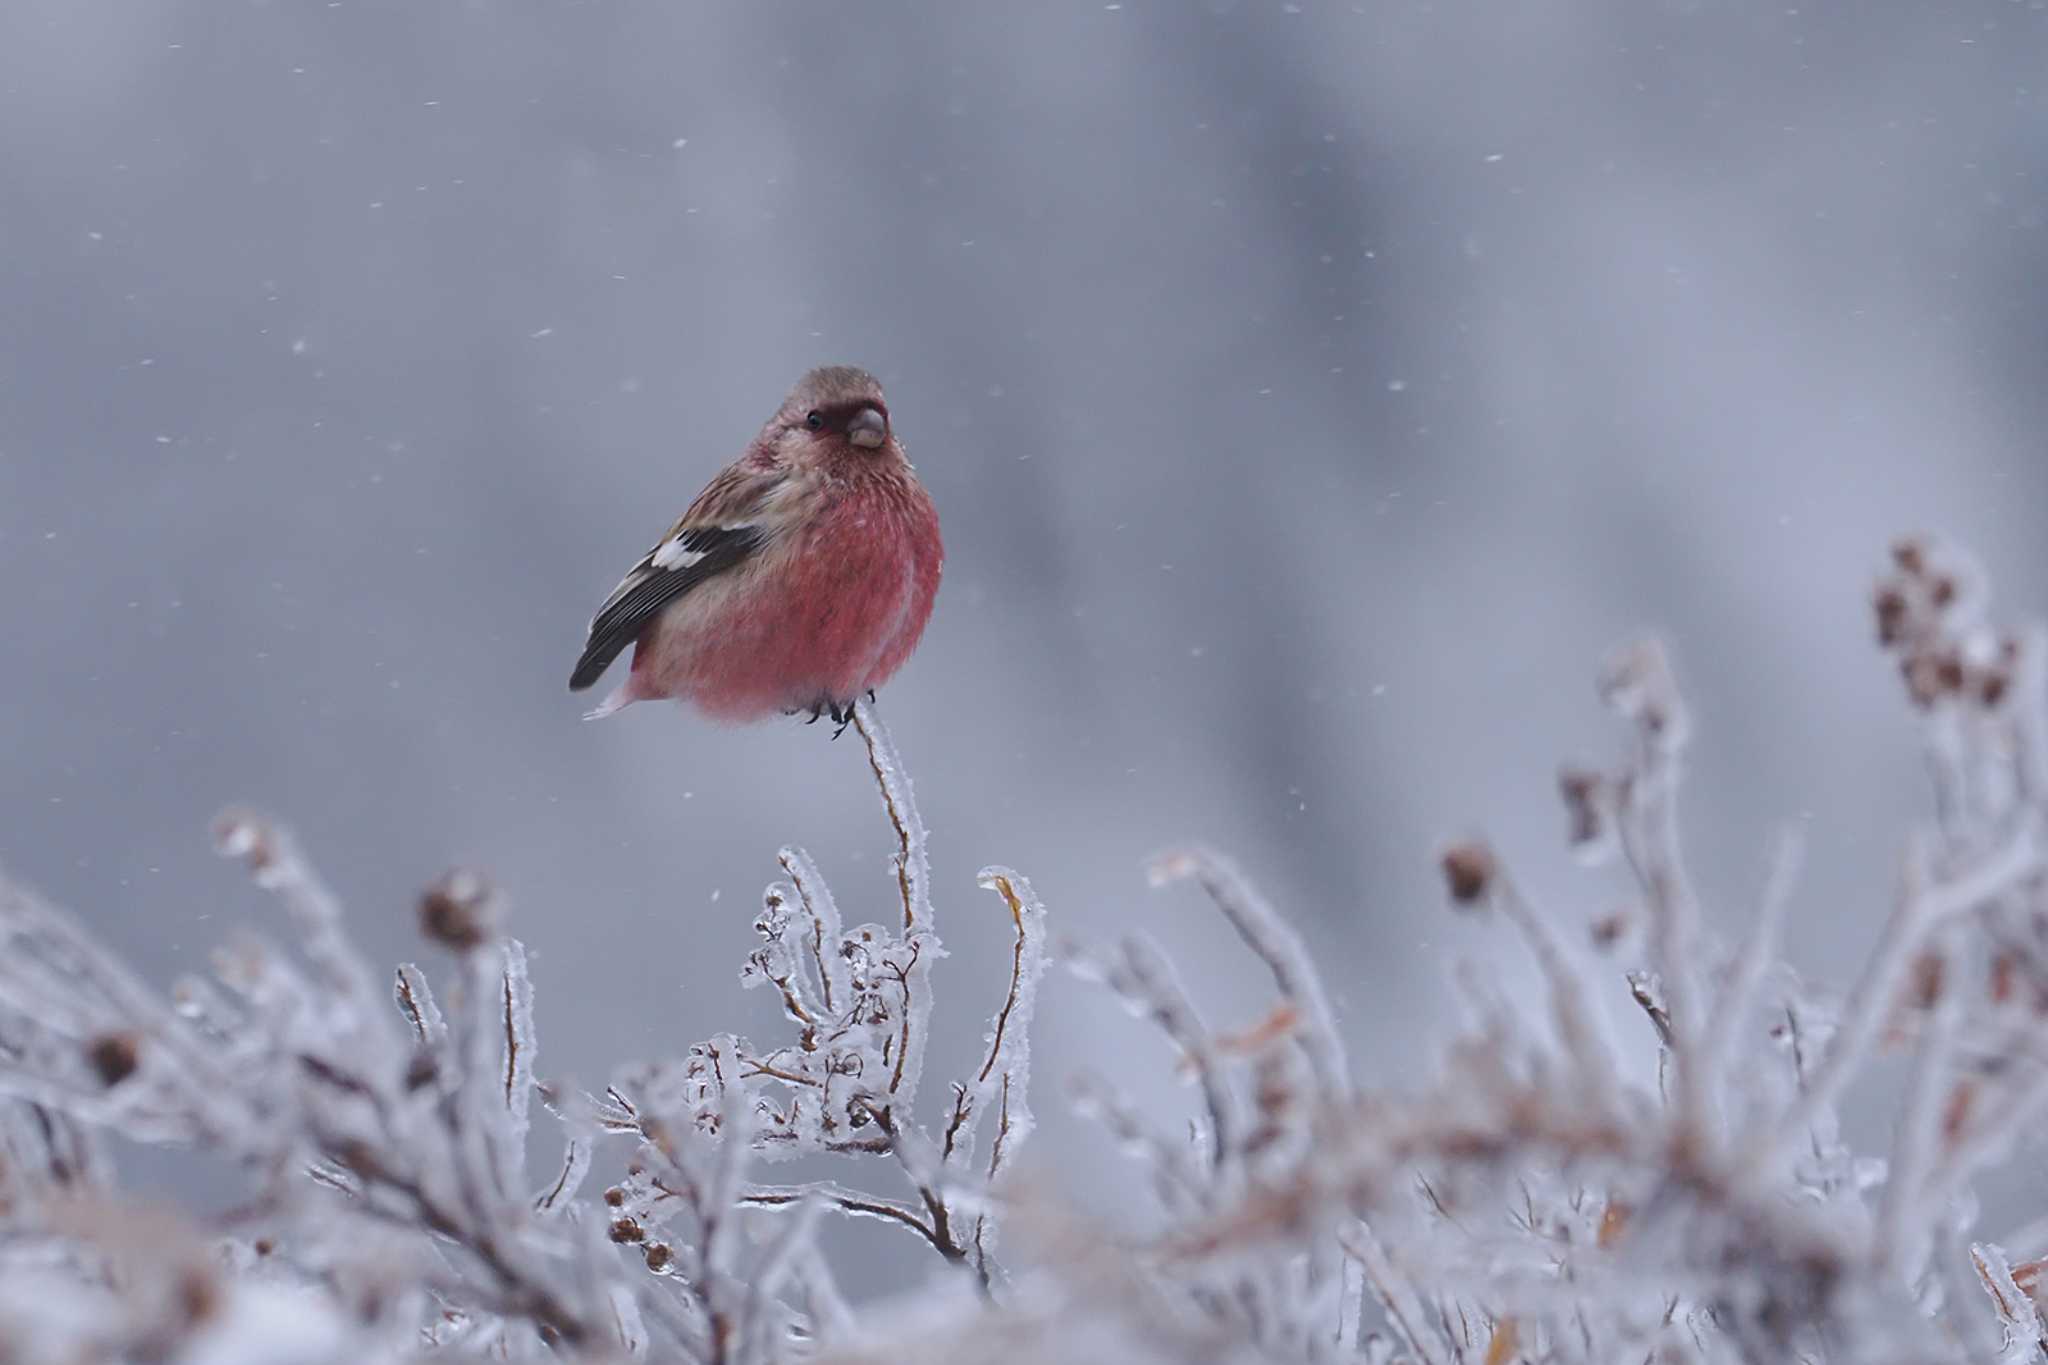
<point x="868" y="429"/>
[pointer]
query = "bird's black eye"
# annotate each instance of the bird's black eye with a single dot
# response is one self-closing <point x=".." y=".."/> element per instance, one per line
<point x="814" y="420"/>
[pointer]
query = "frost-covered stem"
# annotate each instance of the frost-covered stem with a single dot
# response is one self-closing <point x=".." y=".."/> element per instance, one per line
<point x="1147" y="981"/>
<point x="415" y="1000"/>
<point x="515" y="1017"/>
<point x="1569" y="993"/>
<point x="913" y="884"/>
<point x="1351" y="1309"/>
<point x="1870" y="1000"/>
<point x="823" y="940"/>
<point x="831" y="1316"/>
<point x="482" y="1149"/>
<point x="1180" y="1189"/>
<point x="1275" y="943"/>
<point x="524" y="1292"/>
<point x="1007" y="1064"/>
<point x="722" y="1195"/>
<point x="1649" y="829"/>
<point x="2030" y="716"/>
<point x="560" y="1193"/>
<point x="1902" y="1231"/>
<point x="760" y="1324"/>
<point x="922" y="1166"/>
<point x="1397" y="1297"/>
<point x="2015" y="1307"/>
<point x="1759" y="947"/>
<point x="273" y="858"/>
<point x="1985" y="1139"/>
<point x="62" y="955"/>
<point x="913" y="866"/>
<point x="854" y="1203"/>
<point x="1005" y="1075"/>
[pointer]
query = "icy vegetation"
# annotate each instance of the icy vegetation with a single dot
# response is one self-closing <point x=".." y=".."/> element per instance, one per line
<point x="1536" y="1199"/>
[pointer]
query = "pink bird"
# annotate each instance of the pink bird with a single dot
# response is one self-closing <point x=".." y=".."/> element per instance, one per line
<point x="800" y="578"/>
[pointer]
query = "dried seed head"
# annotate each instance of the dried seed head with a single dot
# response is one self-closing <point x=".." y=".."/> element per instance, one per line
<point x="1925" y="985"/>
<point x="1993" y="686"/>
<point x="458" y="911"/>
<point x="1943" y="591"/>
<point x="1469" y="869"/>
<point x="658" y="1256"/>
<point x="2004" y="973"/>
<point x="1614" y="1222"/>
<point x="1891" y="607"/>
<point x="114" y="1056"/>
<point x="357" y="1157"/>
<point x="1956" y="1112"/>
<point x="1922" y="674"/>
<point x="1611" y="929"/>
<point x="615" y="1197"/>
<point x="1638" y="683"/>
<point x="247" y="836"/>
<point x="199" y="1294"/>
<point x="1948" y="671"/>
<point x="1910" y="554"/>
<point x="627" y="1230"/>
<point x="1582" y="790"/>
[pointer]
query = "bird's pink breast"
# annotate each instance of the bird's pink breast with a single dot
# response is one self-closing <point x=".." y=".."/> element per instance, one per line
<point x="822" y="615"/>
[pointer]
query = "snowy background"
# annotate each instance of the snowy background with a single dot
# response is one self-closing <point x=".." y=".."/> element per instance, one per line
<point x="1310" y="392"/>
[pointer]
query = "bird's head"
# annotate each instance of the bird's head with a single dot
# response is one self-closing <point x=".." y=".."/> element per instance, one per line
<point x="834" y="411"/>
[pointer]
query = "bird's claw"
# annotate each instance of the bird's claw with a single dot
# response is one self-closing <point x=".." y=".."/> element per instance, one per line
<point x="841" y="715"/>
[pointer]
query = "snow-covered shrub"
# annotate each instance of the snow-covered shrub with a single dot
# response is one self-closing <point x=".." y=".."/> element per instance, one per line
<point x="1538" y="1198"/>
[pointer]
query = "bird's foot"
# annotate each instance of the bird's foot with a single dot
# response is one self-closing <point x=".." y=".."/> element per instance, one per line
<point x="840" y="714"/>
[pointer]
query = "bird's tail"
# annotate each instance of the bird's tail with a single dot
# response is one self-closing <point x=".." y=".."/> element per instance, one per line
<point x="622" y="696"/>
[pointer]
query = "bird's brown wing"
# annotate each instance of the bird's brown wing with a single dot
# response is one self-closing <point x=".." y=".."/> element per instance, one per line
<point x="686" y="557"/>
<point x="718" y="532"/>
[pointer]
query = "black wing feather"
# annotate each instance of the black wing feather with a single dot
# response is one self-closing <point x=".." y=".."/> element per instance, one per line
<point x="648" y="589"/>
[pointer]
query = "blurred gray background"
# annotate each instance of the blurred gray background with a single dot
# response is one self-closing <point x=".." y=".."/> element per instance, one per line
<point x="1311" y="393"/>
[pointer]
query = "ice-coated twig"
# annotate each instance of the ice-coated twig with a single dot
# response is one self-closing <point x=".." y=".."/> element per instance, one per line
<point x="761" y="1327"/>
<point x="1570" y="994"/>
<point x="1902" y="1232"/>
<point x="1140" y="973"/>
<point x="913" y="883"/>
<point x="1007" y="1066"/>
<point x="415" y="999"/>
<point x="1396" y="1295"/>
<point x="1918" y="910"/>
<point x="515" y="1005"/>
<point x="1275" y="943"/>
<point x="272" y="856"/>
<point x="826" y="1194"/>
<point x="1732" y="1009"/>
<point x="1638" y="683"/>
<point x="913" y="865"/>
<point x="1180" y="1188"/>
<point x="2016" y="1309"/>
<point x="822" y="942"/>
<point x="831" y="1318"/>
